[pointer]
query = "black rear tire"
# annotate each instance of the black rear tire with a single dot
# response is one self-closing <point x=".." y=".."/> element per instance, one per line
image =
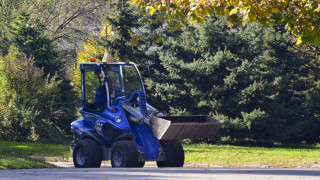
<point x="141" y="164"/>
<point x="124" y="154"/>
<point x="87" y="154"/>
<point x="174" y="153"/>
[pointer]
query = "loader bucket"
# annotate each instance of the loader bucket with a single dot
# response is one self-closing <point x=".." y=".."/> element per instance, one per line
<point x="185" y="127"/>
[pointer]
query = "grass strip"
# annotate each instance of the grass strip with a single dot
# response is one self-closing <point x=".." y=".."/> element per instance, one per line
<point x="240" y="156"/>
<point x="14" y="155"/>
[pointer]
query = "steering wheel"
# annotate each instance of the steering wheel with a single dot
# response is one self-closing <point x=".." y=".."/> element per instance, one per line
<point x="123" y="93"/>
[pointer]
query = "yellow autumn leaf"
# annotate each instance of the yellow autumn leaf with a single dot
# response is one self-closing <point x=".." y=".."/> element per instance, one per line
<point x="103" y="31"/>
<point x="312" y="28"/>
<point x="299" y="40"/>
<point x="150" y="10"/>
<point x="234" y="11"/>
<point x="275" y="10"/>
<point x="158" y="40"/>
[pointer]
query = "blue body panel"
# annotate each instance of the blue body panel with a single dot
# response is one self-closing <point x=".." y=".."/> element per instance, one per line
<point x="145" y="141"/>
<point x="144" y="138"/>
<point x="82" y="125"/>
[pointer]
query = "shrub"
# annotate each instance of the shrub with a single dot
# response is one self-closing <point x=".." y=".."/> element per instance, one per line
<point x="26" y="99"/>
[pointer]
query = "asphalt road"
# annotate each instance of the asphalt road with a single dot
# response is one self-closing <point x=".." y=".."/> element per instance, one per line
<point x="164" y="173"/>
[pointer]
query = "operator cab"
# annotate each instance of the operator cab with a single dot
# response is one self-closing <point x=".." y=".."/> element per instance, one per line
<point x="103" y="82"/>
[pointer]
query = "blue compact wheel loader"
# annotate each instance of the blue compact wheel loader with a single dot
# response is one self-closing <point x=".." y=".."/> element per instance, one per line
<point x="118" y="124"/>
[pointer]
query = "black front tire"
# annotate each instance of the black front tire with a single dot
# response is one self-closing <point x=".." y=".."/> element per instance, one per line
<point x="174" y="153"/>
<point x="87" y="154"/>
<point x="124" y="154"/>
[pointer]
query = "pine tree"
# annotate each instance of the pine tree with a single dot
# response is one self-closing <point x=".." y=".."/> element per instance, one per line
<point x="32" y="41"/>
<point x="249" y="76"/>
<point x="124" y="40"/>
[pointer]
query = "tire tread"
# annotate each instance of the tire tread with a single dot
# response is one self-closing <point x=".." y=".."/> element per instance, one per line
<point x="130" y="154"/>
<point x="174" y="153"/>
<point x="92" y="151"/>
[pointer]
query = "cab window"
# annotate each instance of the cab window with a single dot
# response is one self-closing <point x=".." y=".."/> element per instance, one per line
<point x="94" y="90"/>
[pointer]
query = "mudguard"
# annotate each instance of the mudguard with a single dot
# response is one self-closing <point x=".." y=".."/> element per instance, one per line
<point x="94" y="135"/>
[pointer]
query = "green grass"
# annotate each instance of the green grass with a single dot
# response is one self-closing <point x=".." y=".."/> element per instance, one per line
<point x="14" y="155"/>
<point x="240" y="156"/>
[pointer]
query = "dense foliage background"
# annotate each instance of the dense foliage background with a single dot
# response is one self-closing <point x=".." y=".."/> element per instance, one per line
<point x="252" y="77"/>
<point x="257" y="79"/>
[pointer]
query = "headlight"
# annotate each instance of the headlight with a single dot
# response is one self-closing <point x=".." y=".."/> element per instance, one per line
<point x="117" y="119"/>
<point x="98" y="128"/>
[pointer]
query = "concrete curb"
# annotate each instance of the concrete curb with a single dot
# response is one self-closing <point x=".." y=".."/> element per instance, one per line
<point x="68" y="163"/>
<point x="51" y="159"/>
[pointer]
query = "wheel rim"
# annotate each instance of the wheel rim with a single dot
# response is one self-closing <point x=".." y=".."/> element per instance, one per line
<point x="117" y="157"/>
<point x="81" y="157"/>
